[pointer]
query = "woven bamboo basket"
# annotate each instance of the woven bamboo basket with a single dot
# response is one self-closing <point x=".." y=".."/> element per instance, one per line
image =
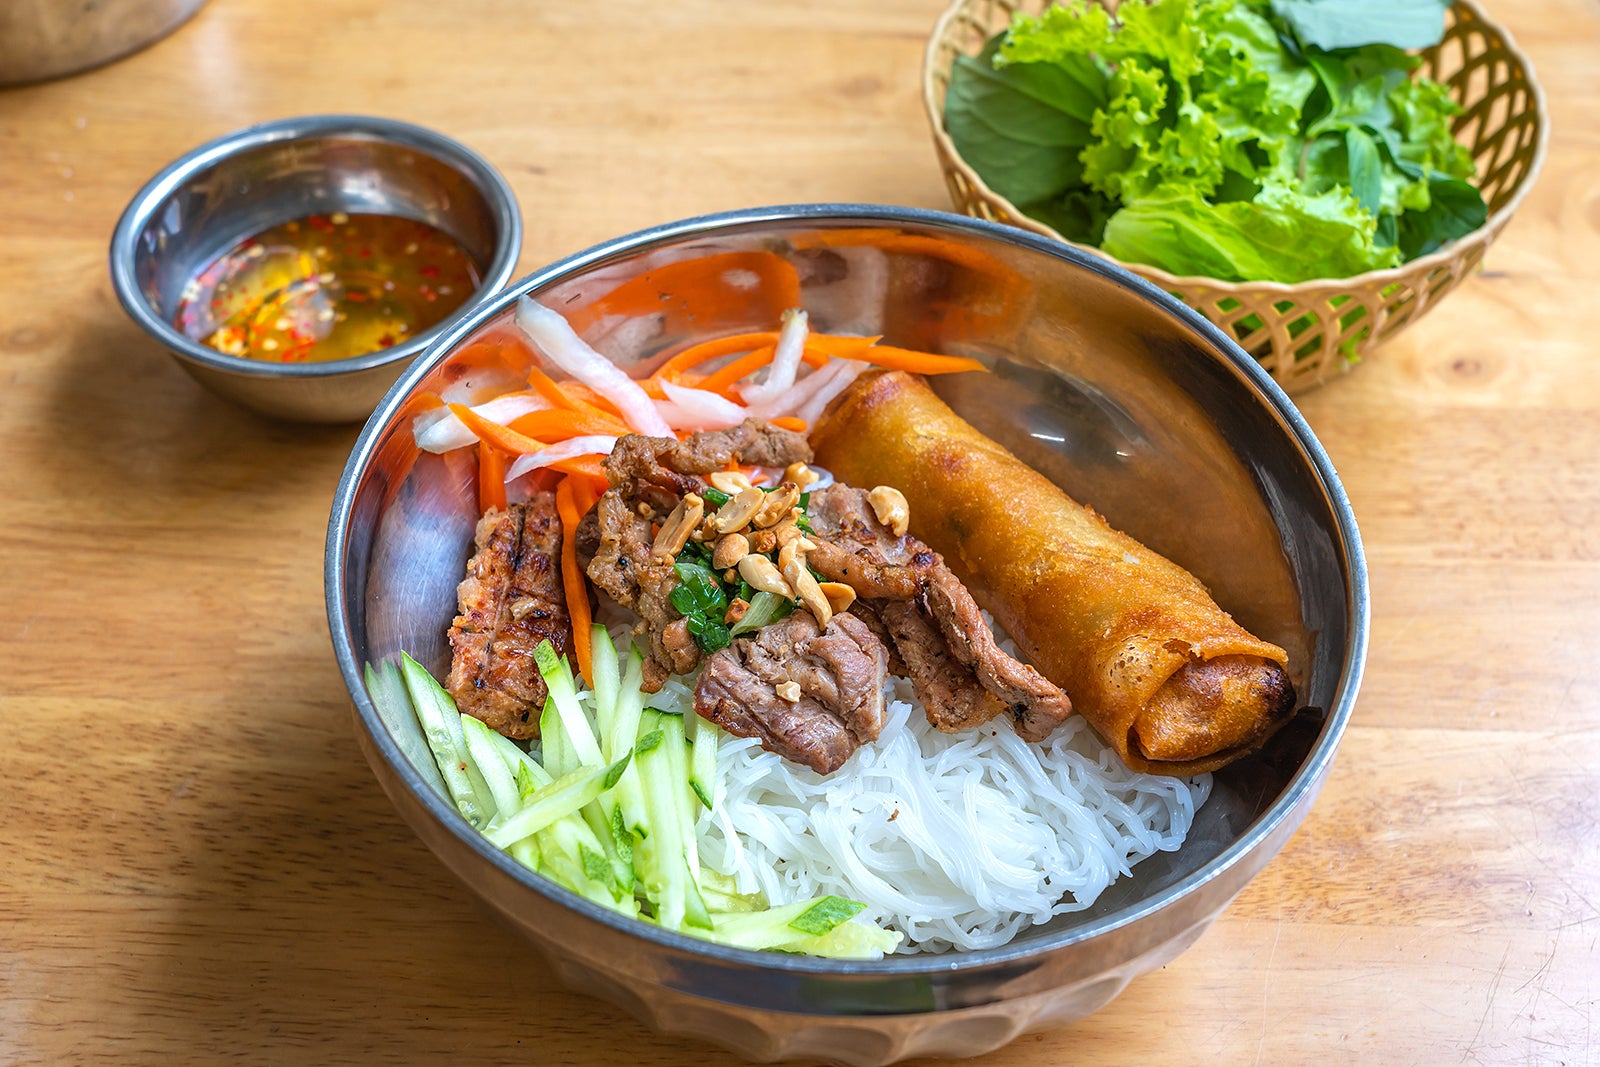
<point x="1309" y="331"/>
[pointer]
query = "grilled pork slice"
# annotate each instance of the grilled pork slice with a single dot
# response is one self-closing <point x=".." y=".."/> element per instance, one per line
<point x="952" y="694"/>
<point x="511" y="599"/>
<point x="659" y="470"/>
<point x="648" y="476"/>
<point x="625" y="568"/>
<point x="934" y="625"/>
<point x="810" y="694"/>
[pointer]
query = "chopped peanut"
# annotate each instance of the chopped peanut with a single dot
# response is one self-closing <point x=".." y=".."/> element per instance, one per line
<point x="731" y="482"/>
<point x="801" y="475"/>
<point x="789" y="529"/>
<point x="729" y="551"/>
<point x="675" y="531"/>
<point x="737" y="512"/>
<point x="840" y="596"/>
<point x="807" y="589"/>
<point x="777" y="504"/>
<point x="889" y="504"/>
<point x="762" y="575"/>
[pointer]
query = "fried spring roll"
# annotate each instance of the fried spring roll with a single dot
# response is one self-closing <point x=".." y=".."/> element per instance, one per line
<point x="1170" y="681"/>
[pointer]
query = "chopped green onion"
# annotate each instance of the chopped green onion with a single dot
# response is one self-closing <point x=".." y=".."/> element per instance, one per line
<point x="698" y="591"/>
<point x="711" y="634"/>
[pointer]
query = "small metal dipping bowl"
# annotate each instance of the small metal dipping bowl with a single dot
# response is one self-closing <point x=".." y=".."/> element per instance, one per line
<point x="1108" y="386"/>
<point x="239" y="185"/>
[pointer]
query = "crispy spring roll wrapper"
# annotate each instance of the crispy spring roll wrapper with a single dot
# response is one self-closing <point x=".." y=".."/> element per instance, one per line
<point x="1171" y="682"/>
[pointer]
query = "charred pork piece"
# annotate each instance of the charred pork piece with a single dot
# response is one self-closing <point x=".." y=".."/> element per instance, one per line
<point x="659" y="470"/>
<point x="615" y="542"/>
<point x="952" y="695"/>
<point x="511" y="599"/>
<point x="626" y="568"/>
<point x="933" y="623"/>
<point x="810" y="694"/>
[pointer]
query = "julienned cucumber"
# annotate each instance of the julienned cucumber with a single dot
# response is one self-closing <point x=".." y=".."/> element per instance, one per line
<point x="564" y="796"/>
<point x="820" y="927"/>
<point x="608" y="806"/>
<point x="703" y="761"/>
<point x="441" y="725"/>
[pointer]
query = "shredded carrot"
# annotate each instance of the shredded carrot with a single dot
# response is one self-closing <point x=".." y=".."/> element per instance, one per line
<point x="840" y="346"/>
<point x="916" y="362"/>
<point x="706" y="351"/>
<point x="508" y="440"/>
<point x="572" y="577"/>
<point x="491" y="478"/>
<point x="721" y="381"/>
<point x="585" y="398"/>
<point x="558" y="424"/>
<point x="501" y="437"/>
<point x="586" y="468"/>
<point x="548" y="388"/>
<point x="585" y="493"/>
<point x="789" y="422"/>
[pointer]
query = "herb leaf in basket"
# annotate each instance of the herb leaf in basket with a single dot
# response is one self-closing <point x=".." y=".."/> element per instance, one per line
<point x="1332" y="24"/>
<point x="1044" y="111"/>
<point x="1235" y="139"/>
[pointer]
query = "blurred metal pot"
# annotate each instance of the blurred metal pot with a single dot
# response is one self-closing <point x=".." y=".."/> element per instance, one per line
<point x="49" y="38"/>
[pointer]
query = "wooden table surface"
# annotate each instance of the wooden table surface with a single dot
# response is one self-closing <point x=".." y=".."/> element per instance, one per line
<point x="195" y="862"/>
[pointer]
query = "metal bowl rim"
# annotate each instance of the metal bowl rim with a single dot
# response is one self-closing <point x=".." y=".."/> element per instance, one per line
<point x="1302" y="785"/>
<point x="490" y="183"/>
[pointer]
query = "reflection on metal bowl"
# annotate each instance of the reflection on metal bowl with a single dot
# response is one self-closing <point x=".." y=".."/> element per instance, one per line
<point x="42" y="39"/>
<point x="1109" y="387"/>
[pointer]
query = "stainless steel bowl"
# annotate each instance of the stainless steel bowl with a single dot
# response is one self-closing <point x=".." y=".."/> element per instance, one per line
<point x="1128" y="399"/>
<point x="241" y="184"/>
<point x="48" y="39"/>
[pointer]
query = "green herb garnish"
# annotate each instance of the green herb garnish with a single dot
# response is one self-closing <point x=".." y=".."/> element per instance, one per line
<point x="711" y="634"/>
<point x="701" y="599"/>
<point x="698" y="592"/>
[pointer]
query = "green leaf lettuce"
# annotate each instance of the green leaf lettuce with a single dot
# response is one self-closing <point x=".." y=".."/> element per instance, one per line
<point x="1236" y="139"/>
<point x="1283" y="235"/>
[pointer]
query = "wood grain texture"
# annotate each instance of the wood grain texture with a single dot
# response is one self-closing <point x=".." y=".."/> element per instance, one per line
<point x="197" y="866"/>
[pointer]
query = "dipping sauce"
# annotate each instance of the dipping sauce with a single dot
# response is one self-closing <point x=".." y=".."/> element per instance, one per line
<point x="327" y="287"/>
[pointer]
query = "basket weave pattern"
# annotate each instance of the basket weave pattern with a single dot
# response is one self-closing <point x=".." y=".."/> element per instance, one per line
<point x="1305" y="332"/>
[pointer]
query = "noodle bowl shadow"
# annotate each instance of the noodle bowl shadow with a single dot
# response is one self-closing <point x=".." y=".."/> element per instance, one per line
<point x="1124" y="397"/>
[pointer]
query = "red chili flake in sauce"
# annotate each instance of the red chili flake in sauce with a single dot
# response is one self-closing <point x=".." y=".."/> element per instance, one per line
<point x="305" y="290"/>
